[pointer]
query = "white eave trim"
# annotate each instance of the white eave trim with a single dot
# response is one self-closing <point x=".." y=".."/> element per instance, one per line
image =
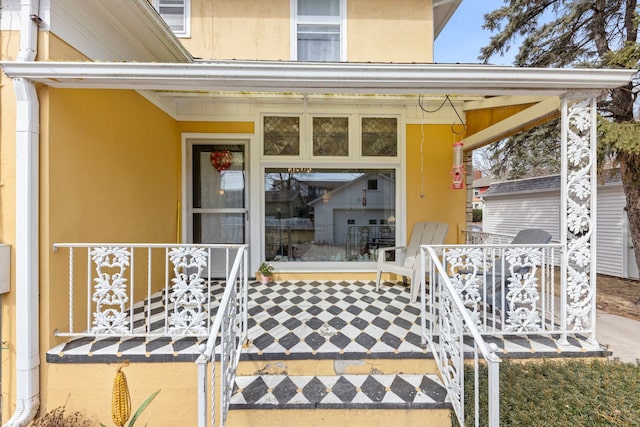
<point x="303" y="77"/>
<point x="139" y="35"/>
<point x="443" y="10"/>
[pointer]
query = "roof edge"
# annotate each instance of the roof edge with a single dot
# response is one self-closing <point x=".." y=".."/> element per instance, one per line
<point x="314" y="77"/>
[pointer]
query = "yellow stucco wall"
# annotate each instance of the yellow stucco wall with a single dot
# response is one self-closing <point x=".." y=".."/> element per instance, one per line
<point x="9" y="42"/>
<point x="112" y="162"/>
<point x="216" y="127"/>
<point x="175" y="405"/>
<point x="397" y="31"/>
<point x="109" y="174"/>
<point x="440" y="202"/>
<point x="239" y="29"/>
<point x="378" y="30"/>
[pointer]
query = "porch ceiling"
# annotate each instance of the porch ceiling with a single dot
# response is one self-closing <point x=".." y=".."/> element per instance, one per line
<point x="305" y="77"/>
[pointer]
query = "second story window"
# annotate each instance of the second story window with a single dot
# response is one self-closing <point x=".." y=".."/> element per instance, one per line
<point x="176" y="14"/>
<point x="318" y="30"/>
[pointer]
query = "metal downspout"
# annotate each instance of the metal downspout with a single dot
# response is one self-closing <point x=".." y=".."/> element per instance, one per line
<point x="27" y="231"/>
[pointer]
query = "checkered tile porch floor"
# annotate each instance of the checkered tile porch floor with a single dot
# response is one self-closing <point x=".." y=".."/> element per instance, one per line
<point x="309" y="319"/>
<point x="339" y="392"/>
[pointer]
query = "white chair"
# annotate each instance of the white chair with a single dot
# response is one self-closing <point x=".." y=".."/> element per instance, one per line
<point x="406" y="261"/>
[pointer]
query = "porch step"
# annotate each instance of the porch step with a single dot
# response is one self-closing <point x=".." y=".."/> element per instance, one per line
<point x="411" y="399"/>
<point x="339" y="392"/>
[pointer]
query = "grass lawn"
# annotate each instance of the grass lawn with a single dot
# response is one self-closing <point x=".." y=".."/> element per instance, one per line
<point x="563" y="393"/>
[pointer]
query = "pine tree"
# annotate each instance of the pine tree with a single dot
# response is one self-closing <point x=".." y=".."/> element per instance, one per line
<point x="582" y="33"/>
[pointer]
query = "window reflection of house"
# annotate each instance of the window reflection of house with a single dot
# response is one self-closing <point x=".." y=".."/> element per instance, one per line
<point x="355" y="215"/>
<point x="328" y="215"/>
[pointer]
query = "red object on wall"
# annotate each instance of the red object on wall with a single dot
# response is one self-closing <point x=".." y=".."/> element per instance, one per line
<point x="221" y="160"/>
<point x="458" y="171"/>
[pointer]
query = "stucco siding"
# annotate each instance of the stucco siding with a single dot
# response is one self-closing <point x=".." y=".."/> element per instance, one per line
<point x="110" y="164"/>
<point x="398" y="31"/>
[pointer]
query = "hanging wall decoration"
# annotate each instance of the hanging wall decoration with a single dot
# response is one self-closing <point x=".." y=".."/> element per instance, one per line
<point x="221" y="160"/>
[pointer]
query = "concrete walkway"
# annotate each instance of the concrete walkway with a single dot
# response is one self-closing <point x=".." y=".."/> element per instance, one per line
<point x="621" y="335"/>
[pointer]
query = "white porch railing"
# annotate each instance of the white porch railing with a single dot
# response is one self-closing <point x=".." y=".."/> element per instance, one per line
<point x="480" y="237"/>
<point x="230" y="326"/>
<point x="449" y="324"/>
<point x="511" y="289"/>
<point x="143" y="289"/>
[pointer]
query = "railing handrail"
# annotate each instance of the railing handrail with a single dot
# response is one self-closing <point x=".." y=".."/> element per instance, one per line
<point x="492" y="233"/>
<point x="464" y="230"/>
<point x="207" y="352"/>
<point x="229" y="357"/>
<point x="500" y="245"/>
<point x="149" y="245"/>
<point x="464" y="321"/>
<point x="475" y="332"/>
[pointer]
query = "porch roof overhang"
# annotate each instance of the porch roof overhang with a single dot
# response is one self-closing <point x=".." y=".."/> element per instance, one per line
<point x="306" y="78"/>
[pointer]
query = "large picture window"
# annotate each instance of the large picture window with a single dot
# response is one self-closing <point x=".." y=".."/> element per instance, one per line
<point x="328" y="215"/>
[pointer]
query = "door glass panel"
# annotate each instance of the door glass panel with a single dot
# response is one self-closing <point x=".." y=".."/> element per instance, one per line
<point x="218" y="228"/>
<point x="328" y="214"/>
<point x="218" y="194"/>
<point x="220" y="173"/>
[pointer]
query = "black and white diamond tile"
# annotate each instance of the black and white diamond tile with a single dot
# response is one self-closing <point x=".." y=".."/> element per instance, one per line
<point x="305" y="319"/>
<point x="333" y="319"/>
<point x="342" y="391"/>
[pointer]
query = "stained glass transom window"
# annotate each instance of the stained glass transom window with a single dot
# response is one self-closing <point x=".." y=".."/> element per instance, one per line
<point x="330" y="136"/>
<point x="281" y="136"/>
<point x="379" y="136"/>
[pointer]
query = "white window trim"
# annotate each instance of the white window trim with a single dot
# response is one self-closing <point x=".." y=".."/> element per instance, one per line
<point x="355" y="160"/>
<point x="254" y="216"/>
<point x="355" y="135"/>
<point x="295" y="20"/>
<point x="186" y="16"/>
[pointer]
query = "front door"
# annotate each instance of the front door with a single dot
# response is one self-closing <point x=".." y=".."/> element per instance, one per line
<point x="217" y="211"/>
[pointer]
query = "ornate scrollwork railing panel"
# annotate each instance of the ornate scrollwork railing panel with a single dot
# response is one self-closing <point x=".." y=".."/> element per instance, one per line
<point x="451" y="355"/>
<point x="110" y="289"/>
<point x="578" y="170"/>
<point x="523" y="292"/>
<point x="464" y="266"/>
<point x="188" y="291"/>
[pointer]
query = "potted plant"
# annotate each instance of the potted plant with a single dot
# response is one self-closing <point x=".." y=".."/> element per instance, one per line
<point x="265" y="272"/>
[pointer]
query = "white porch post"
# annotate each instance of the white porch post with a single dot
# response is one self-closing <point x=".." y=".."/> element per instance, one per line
<point x="578" y="219"/>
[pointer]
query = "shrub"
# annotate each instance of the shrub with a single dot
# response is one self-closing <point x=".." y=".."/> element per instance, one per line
<point x="477" y="215"/>
<point x="58" y="418"/>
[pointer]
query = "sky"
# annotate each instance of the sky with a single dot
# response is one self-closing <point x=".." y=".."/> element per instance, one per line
<point x="463" y="36"/>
